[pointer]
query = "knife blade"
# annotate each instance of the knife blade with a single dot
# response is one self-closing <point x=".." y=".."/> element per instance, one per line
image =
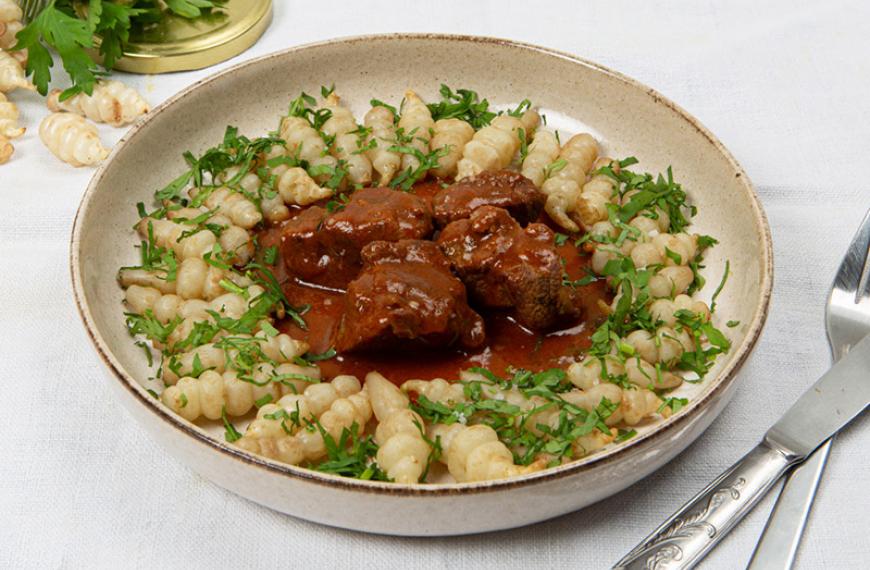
<point x="837" y="398"/>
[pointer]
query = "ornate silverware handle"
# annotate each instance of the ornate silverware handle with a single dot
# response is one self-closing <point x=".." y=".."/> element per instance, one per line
<point x="692" y="531"/>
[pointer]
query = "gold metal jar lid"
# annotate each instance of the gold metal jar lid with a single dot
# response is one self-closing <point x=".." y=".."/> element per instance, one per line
<point x="179" y="44"/>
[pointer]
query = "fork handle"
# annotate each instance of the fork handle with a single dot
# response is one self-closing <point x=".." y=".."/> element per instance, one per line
<point x="692" y="531"/>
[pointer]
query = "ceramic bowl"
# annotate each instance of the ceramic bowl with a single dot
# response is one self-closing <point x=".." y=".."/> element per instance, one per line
<point x="627" y="117"/>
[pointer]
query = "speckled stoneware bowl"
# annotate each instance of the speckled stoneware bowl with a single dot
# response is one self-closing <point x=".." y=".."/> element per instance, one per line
<point x="628" y="118"/>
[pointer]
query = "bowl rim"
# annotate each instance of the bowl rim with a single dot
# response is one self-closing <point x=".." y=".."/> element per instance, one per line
<point x="198" y="435"/>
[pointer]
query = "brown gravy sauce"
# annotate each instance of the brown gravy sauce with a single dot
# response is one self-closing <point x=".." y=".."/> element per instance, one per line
<point x="508" y="345"/>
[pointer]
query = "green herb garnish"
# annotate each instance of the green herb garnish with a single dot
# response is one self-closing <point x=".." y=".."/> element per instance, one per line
<point x="462" y="104"/>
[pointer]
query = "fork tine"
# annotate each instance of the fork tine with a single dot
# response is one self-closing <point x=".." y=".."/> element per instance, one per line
<point x="851" y="277"/>
<point x="862" y="241"/>
<point x="864" y="281"/>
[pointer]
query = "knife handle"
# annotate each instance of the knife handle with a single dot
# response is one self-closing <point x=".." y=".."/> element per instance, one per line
<point x="779" y="542"/>
<point x="692" y="531"/>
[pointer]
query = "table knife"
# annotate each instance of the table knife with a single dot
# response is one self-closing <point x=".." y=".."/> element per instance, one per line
<point x="837" y="398"/>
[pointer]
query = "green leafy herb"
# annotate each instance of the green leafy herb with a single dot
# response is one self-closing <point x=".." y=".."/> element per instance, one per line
<point x="673" y="256"/>
<point x="201" y="333"/>
<point x="524" y="106"/>
<point x="268" y="329"/>
<point x="270" y="255"/>
<point x="407" y="178"/>
<point x="721" y="285"/>
<point x="390" y="108"/>
<point x="147" y="350"/>
<point x="264" y="277"/>
<point x="350" y="456"/>
<point x="148" y="325"/>
<point x="309" y="358"/>
<point x="701" y="359"/>
<point x="514" y="424"/>
<point x="335" y="174"/>
<point x="260" y="402"/>
<point x="435" y="447"/>
<point x="231" y="434"/>
<point x="624" y="435"/>
<point x="191" y="8"/>
<point x="462" y="104"/>
<point x="555" y="167"/>
<point x="303" y="105"/>
<point x="524" y="145"/>
<point x="112" y="22"/>
<point x="69" y="36"/>
<point x="58" y="26"/>
<point x="675" y="404"/>
<point x="236" y="151"/>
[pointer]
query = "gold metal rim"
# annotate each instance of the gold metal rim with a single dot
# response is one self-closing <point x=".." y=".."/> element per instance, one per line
<point x="207" y="49"/>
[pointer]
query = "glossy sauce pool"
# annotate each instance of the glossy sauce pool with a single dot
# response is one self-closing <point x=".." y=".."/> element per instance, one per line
<point x="508" y="345"/>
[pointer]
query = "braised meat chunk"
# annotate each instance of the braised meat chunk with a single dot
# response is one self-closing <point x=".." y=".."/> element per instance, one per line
<point x="406" y="297"/>
<point x="506" y="266"/>
<point x="504" y="189"/>
<point x="324" y="248"/>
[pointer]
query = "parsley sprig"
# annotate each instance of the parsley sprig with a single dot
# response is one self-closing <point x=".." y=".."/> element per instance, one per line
<point x="60" y="27"/>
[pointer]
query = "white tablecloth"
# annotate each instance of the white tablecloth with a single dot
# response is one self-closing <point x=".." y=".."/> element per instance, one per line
<point x="784" y="85"/>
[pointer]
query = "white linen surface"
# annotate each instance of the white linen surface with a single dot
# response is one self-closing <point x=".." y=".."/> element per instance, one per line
<point x="783" y="84"/>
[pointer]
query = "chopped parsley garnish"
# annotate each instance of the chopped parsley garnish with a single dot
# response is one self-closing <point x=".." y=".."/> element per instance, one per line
<point x="390" y="108"/>
<point x="524" y="106"/>
<point x="524" y="145"/>
<point x="675" y="404"/>
<point x="260" y="402"/>
<point x="274" y="294"/>
<point x="513" y="422"/>
<point x="231" y="434"/>
<point x="236" y="151"/>
<point x="721" y="285"/>
<point x="351" y="455"/>
<point x="309" y="358"/>
<point x="649" y="192"/>
<point x="625" y="435"/>
<point x="462" y="104"/>
<point x="159" y="260"/>
<point x="555" y="167"/>
<point x="407" y="178"/>
<point x="270" y="255"/>
<point x="436" y="450"/>
<point x="144" y="346"/>
<point x="148" y="325"/>
<point x="302" y="106"/>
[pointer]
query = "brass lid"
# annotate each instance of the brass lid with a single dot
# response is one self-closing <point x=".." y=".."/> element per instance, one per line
<point x="179" y="44"/>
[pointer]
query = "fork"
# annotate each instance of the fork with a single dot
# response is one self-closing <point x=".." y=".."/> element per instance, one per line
<point x="31" y="8"/>
<point x="847" y="319"/>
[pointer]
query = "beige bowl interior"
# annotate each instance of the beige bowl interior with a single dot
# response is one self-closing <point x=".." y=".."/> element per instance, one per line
<point x="628" y="118"/>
